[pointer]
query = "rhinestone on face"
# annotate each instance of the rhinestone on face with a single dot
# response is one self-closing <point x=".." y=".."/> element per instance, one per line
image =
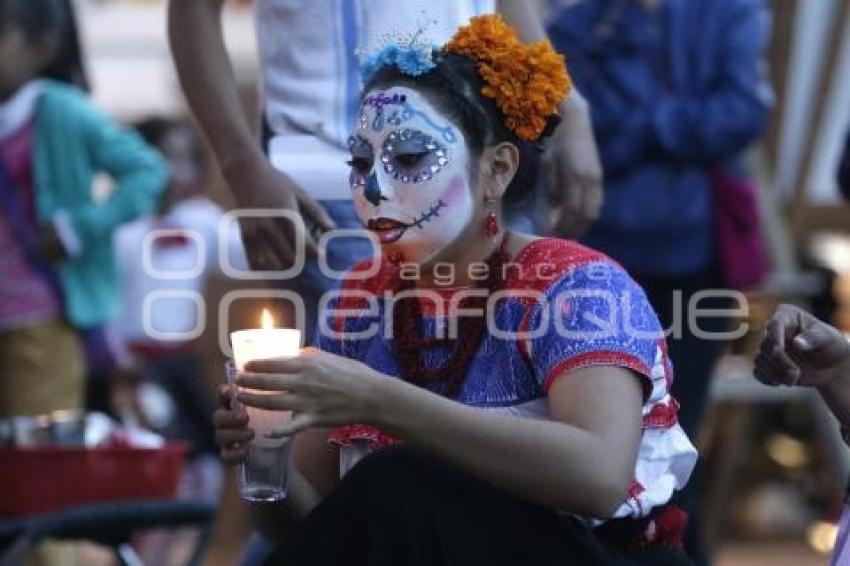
<point x="432" y="163"/>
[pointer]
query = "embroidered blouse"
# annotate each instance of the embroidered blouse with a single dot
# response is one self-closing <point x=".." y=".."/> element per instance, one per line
<point x="563" y="307"/>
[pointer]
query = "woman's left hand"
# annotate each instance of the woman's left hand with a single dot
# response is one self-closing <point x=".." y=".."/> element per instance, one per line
<point x="322" y="389"/>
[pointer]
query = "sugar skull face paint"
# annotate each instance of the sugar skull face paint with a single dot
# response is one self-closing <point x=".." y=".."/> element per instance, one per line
<point x="409" y="174"/>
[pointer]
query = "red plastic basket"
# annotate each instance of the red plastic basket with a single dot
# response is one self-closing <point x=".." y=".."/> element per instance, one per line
<point x="38" y="480"/>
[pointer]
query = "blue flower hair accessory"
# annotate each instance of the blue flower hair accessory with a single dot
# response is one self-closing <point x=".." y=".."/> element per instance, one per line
<point x="409" y="53"/>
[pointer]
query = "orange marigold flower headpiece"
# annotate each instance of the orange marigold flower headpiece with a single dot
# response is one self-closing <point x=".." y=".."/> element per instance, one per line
<point x="526" y="81"/>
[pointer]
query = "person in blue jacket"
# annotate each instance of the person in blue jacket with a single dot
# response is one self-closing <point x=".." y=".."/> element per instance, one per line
<point x="676" y="87"/>
<point x="58" y="278"/>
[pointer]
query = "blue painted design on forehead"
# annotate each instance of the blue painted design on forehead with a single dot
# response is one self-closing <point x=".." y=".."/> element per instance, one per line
<point x="379" y="100"/>
<point x="447" y="132"/>
<point x="397" y="118"/>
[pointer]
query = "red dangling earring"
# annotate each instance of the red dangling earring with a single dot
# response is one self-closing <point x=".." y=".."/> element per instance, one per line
<point x="491" y="224"/>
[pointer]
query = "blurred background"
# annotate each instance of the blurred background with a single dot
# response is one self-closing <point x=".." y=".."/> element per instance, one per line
<point x="776" y="467"/>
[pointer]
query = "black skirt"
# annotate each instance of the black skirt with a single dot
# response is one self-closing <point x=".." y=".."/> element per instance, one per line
<point x="401" y="507"/>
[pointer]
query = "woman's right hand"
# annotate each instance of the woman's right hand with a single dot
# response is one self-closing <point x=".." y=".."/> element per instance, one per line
<point x="232" y="434"/>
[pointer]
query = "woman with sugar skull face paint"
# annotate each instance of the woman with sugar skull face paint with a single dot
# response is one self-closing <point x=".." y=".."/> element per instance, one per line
<point x="410" y="175"/>
<point x="513" y="415"/>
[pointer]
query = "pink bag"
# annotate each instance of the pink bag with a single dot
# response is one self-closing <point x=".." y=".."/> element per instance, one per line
<point x="740" y="248"/>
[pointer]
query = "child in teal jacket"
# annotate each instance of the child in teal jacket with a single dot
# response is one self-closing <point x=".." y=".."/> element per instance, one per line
<point x="57" y="271"/>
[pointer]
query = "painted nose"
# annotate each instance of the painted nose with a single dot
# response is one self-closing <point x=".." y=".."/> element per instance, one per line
<point x="373" y="190"/>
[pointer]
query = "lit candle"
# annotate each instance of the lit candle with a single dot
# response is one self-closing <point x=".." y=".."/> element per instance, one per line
<point x="264" y="343"/>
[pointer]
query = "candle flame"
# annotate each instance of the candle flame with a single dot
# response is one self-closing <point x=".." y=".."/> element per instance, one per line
<point x="267" y="320"/>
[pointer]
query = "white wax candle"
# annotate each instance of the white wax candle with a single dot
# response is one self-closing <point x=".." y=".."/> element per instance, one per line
<point x="263" y="344"/>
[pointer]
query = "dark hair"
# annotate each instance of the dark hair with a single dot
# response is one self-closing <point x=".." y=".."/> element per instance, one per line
<point x="153" y="130"/>
<point x="41" y="20"/>
<point x="454" y="87"/>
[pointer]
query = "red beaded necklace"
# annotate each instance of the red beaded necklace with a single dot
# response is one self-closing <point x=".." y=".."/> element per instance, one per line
<point x="409" y="344"/>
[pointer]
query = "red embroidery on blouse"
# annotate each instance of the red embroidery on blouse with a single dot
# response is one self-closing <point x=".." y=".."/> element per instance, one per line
<point x="346" y="435"/>
<point x="598" y="357"/>
<point x="667" y="529"/>
<point x="546" y="260"/>
<point x="662" y="415"/>
<point x="633" y="495"/>
<point x="536" y="266"/>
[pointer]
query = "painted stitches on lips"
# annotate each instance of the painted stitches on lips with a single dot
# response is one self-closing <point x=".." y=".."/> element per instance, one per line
<point x="432" y="212"/>
<point x="389" y="230"/>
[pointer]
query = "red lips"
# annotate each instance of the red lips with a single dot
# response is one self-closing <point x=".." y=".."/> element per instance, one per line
<point x="387" y="229"/>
